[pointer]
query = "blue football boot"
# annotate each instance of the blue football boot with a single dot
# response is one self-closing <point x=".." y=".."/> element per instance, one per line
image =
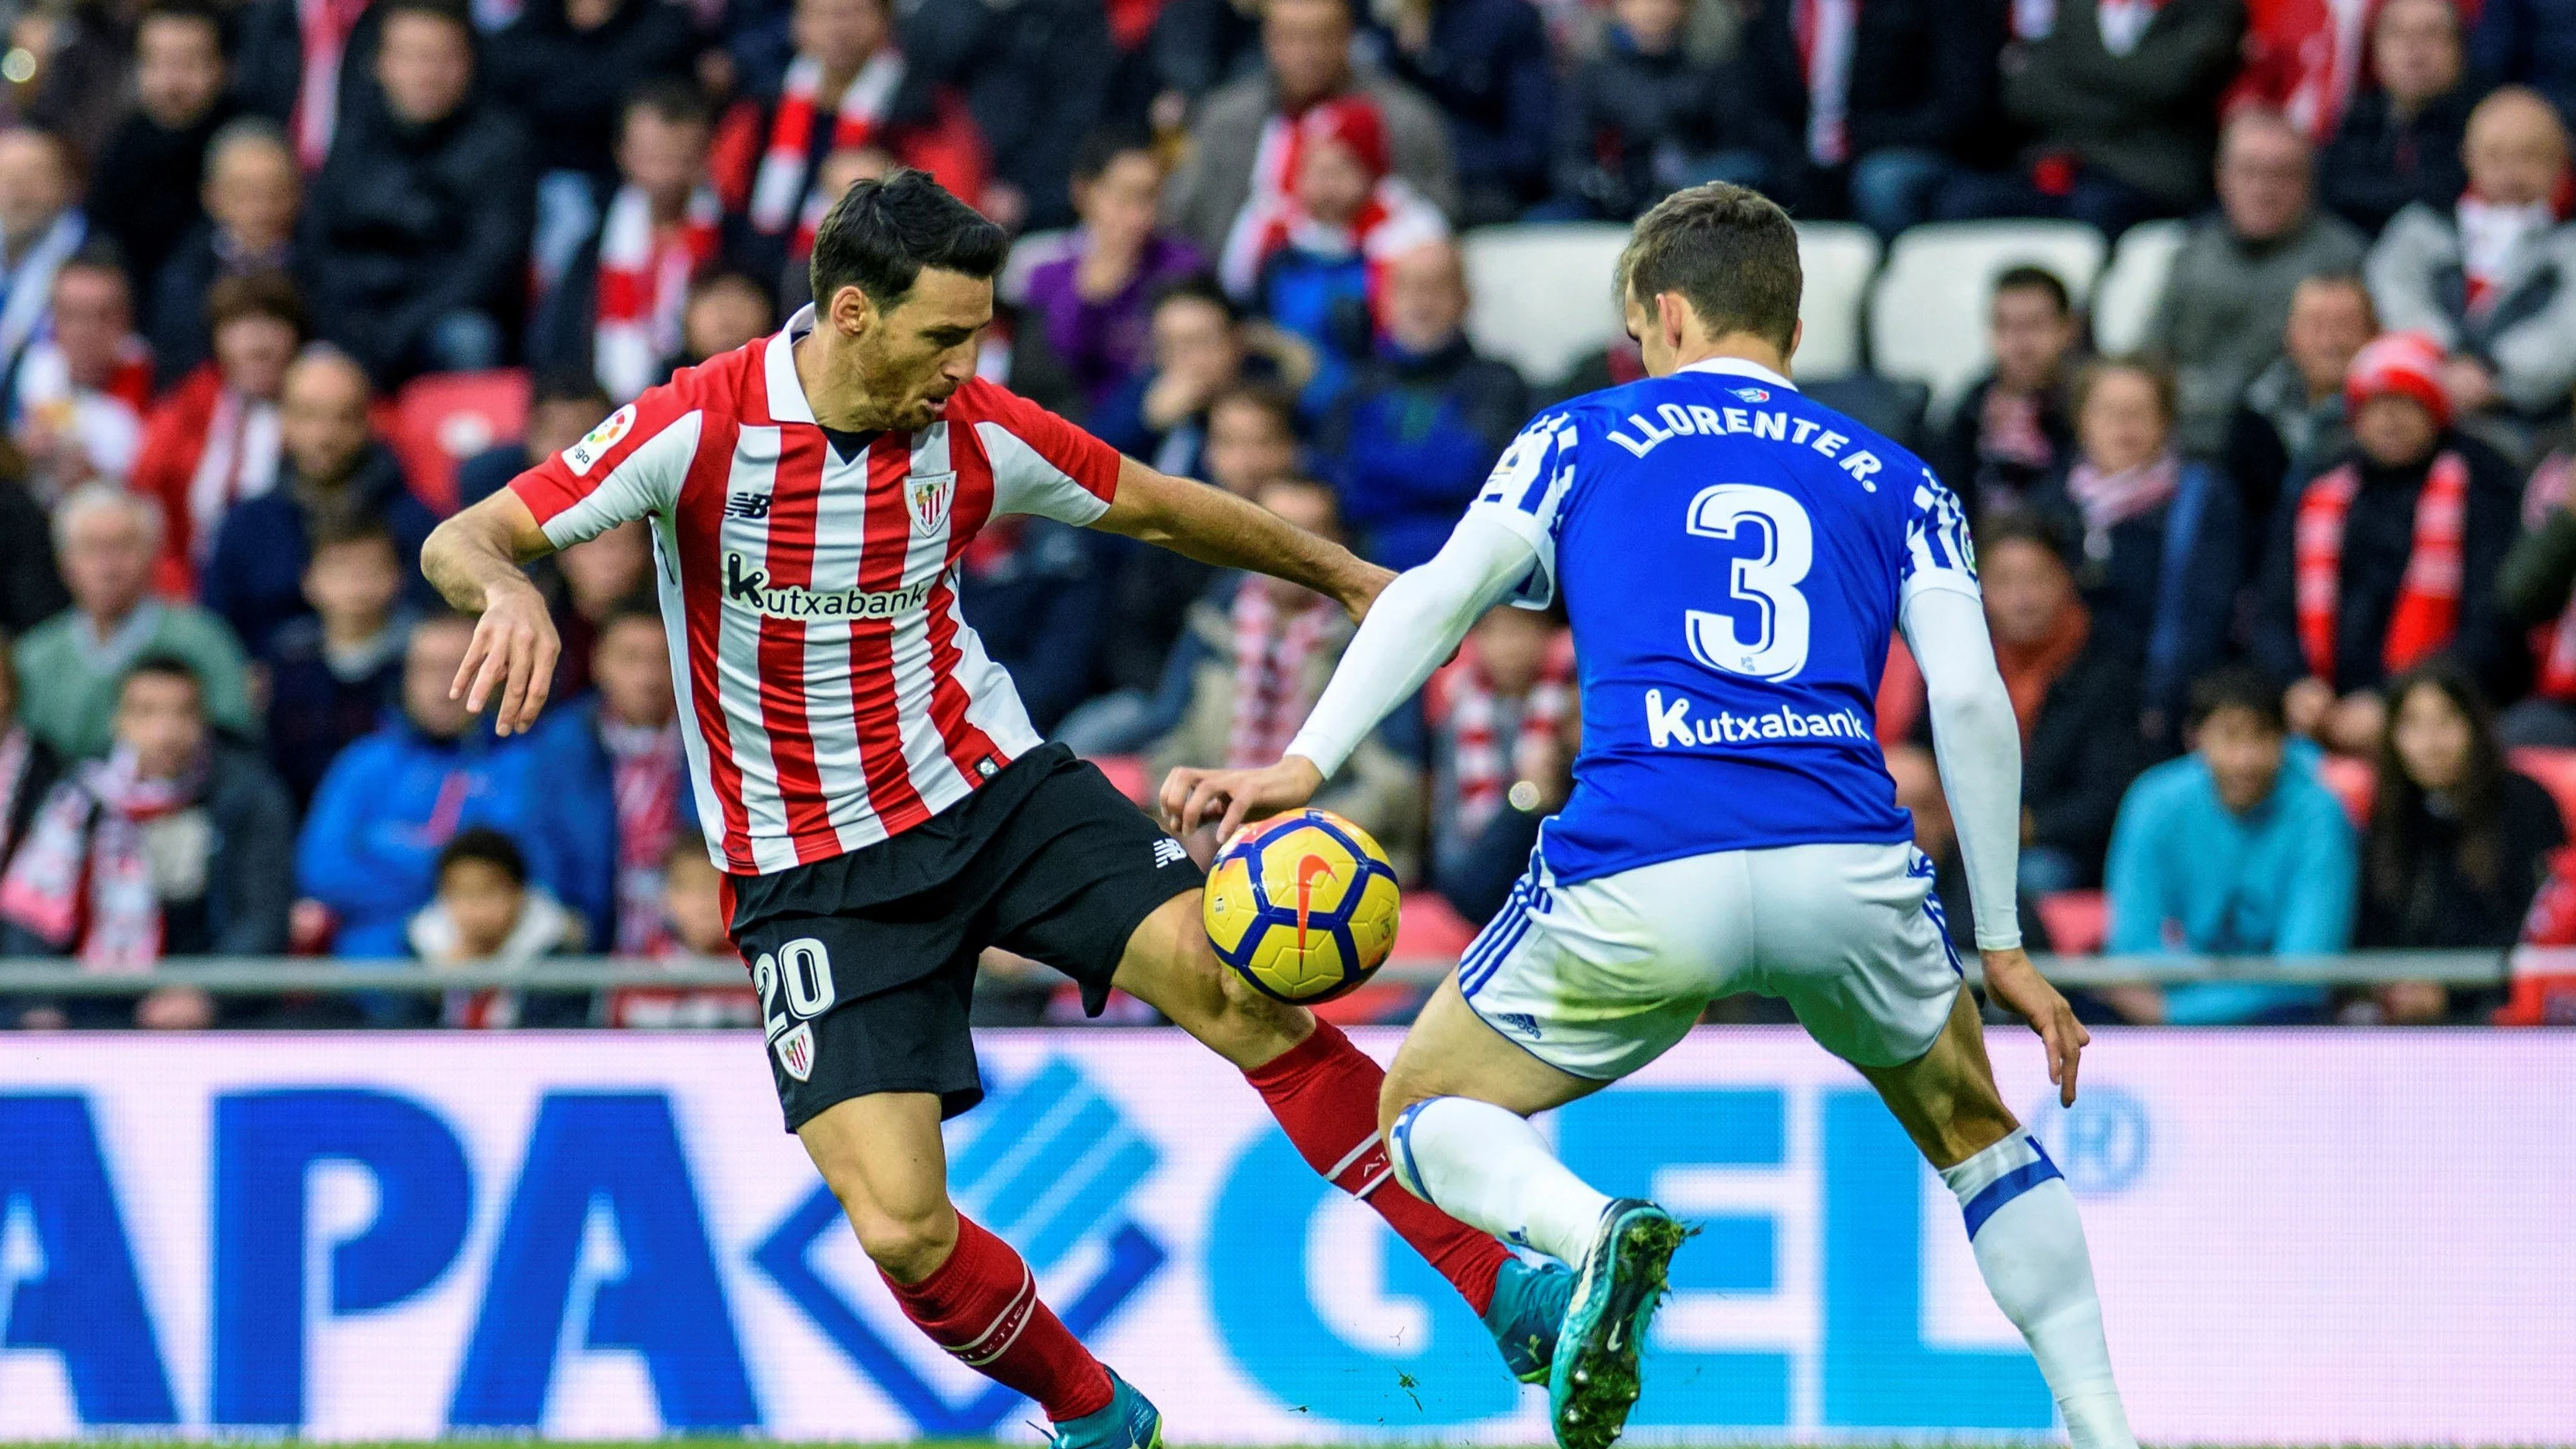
<point x="1528" y="1309"/>
<point x="1128" y="1421"/>
<point x="1592" y="1379"/>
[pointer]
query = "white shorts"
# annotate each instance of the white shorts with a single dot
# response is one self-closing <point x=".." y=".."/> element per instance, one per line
<point x="1600" y="978"/>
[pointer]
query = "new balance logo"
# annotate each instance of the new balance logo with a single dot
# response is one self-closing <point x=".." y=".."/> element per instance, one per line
<point x="1168" y="851"/>
<point x="747" y="505"/>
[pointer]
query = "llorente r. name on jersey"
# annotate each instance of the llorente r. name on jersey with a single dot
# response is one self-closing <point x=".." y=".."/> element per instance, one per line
<point x="1733" y="558"/>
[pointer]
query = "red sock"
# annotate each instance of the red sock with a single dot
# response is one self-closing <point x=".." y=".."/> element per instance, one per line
<point x="1324" y="1092"/>
<point x="982" y="1306"/>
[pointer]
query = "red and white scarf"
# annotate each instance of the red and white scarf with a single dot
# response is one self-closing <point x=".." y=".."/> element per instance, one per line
<point x="644" y="776"/>
<point x="2553" y="644"/>
<point x="83" y="863"/>
<point x="2009" y="430"/>
<point x="2111" y="499"/>
<point x="1825" y="31"/>
<point x="1480" y="759"/>
<point x="2489" y="235"/>
<point x="1395" y="220"/>
<point x="782" y="193"/>
<point x="324" y="26"/>
<point x="644" y="273"/>
<point x="238" y="460"/>
<point x="2428" y="598"/>
<point x="1272" y="650"/>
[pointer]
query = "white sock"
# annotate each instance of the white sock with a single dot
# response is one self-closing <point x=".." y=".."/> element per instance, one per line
<point x="1490" y="1169"/>
<point x="2030" y="1246"/>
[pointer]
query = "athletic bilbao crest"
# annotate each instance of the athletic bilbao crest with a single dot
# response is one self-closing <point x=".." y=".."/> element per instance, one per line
<point x="795" y="1050"/>
<point x="1050" y="1164"/>
<point x="930" y="494"/>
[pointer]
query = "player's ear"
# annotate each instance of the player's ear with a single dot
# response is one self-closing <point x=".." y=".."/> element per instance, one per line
<point x="851" y="311"/>
<point x="1673" y="318"/>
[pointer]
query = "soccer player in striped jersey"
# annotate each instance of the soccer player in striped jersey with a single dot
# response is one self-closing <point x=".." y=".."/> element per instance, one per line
<point x="1734" y="558"/>
<point x="871" y="786"/>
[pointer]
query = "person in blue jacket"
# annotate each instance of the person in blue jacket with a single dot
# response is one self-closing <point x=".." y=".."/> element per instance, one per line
<point x="391" y="801"/>
<point x="2236" y="849"/>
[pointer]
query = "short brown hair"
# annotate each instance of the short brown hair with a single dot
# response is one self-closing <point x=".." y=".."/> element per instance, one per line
<point x="1730" y="251"/>
<point x="2159" y="377"/>
<point x="257" y="294"/>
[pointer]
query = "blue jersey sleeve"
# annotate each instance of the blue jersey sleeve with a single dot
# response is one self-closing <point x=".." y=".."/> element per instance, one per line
<point x="1938" y="553"/>
<point x="1526" y="493"/>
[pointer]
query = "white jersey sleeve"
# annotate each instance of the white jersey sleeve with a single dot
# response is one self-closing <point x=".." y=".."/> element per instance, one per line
<point x="1526" y="494"/>
<point x="631" y="465"/>
<point x="1042" y="464"/>
<point x="1978" y="743"/>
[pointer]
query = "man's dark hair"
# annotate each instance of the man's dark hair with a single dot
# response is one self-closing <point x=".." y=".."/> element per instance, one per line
<point x="1102" y="147"/>
<point x="1197" y="287"/>
<point x="2028" y="278"/>
<point x="192" y="12"/>
<point x="160" y="664"/>
<point x="2023" y="525"/>
<point x="571" y="385"/>
<point x="671" y="101"/>
<point x="2238" y="686"/>
<point x="639" y="607"/>
<point x="99" y="254"/>
<point x="337" y="528"/>
<point x="451" y="11"/>
<point x="1269" y="398"/>
<point x="258" y="294"/>
<point x="1730" y="251"/>
<point x="881" y="235"/>
<point x="490" y="847"/>
<point x="2347" y="280"/>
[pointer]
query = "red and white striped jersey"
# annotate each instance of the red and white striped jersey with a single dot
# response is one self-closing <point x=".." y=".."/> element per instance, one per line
<point x="830" y="694"/>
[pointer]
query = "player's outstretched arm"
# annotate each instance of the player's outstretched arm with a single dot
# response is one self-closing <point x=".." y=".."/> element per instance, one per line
<point x="473" y="561"/>
<point x="1417" y="623"/>
<point x="1215" y="527"/>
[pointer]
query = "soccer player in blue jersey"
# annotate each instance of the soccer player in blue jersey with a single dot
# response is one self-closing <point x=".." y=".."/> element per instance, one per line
<point x="1733" y="558"/>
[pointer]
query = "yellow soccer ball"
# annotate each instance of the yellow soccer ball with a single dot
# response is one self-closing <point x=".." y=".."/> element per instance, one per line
<point x="1303" y="906"/>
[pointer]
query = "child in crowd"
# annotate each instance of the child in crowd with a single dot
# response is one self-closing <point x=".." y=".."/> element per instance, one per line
<point x="693" y="904"/>
<point x="334" y="673"/>
<point x="487" y="913"/>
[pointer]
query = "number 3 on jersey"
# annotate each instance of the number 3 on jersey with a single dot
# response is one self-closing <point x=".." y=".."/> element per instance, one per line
<point x="1774" y="546"/>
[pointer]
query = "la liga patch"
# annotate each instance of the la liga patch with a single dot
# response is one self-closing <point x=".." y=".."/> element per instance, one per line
<point x="594" y="445"/>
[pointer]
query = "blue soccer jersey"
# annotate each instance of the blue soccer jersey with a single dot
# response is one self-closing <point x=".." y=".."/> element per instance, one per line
<point x="1733" y="558"/>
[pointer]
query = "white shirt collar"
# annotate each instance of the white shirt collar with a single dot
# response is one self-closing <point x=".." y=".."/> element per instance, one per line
<point x="1738" y="367"/>
<point x="786" y="390"/>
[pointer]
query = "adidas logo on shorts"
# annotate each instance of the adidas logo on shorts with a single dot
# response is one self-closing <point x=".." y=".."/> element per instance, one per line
<point x="1168" y="851"/>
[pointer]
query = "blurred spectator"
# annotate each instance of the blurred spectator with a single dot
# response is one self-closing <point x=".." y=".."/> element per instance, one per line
<point x="2162" y="551"/>
<point x="1095" y="300"/>
<point x="2075" y="695"/>
<point x="176" y="844"/>
<point x="847" y="90"/>
<point x="1200" y="350"/>
<point x="2485" y="278"/>
<point x="31" y="588"/>
<point x="82" y="58"/>
<point x="487" y="913"/>
<point x="143" y="191"/>
<point x="621" y="743"/>
<point x="2400" y="142"/>
<point x="2123" y="98"/>
<point x="1640" y="119"/>
<point x="332" y="469"/>
<point x="2529" y="42"/>
<point x="76" y="407"/>
<point x="419" y="221"/>
<point x="214" y="440"/>
<point x="624" y="291"/>
<point x="2458" y="843"/>
<point x="1256" y="661"/>
<point x="1485" y="64"/>
<point x="2303" y="58"/>
<point x="391" y="801"/>
<point x="2011" y="432"/>
<point x="335" y="672"/>
<point x="28" y="766"/>
<point x="1196" y="46"/>
<point x="1479" y="877"/>
<point x="2383" y="560"/>
<point x="1936" y="833"/>
<point x="726" y="310"/>
<point x="1421" y="423"/>
<point x="1038" y="591"/>
<point x="598" y="576"/>
<point x="565" y="406"/>
<point x="1035" y="76"/>
<point x="2292" y="412"/>
<point x="253" y="195"/>
<point x="1509" y="689"/>
<point x="699" y="927"/>
<point x="1242" y="152"/>
<point x="2228" y="295"/>
<point x="69" y="666"/>
<point x="2236" y="849"/>
<point x="569" y="67"/>
<point x="304" y="65"/>
<point x="40" y="229"/>
<point x="1868" y="107"/>
<point x="1314" y="262"/>
<point x="2535" y="586"/>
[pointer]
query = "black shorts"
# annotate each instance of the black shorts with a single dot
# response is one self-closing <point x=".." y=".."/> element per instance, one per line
<point x="865" y="962"/>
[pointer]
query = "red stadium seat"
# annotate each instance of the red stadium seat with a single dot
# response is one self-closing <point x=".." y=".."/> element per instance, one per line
<point x="2555" y="769"/>
<point x="2077" y="921"/>
<point x="1127" y="772"/>
<point x="447" y="417"/>
<point x="2354" y="782"/>
<point x="1430" y="929"/>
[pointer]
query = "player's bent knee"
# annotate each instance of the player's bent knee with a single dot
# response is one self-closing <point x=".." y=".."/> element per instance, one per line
<point x="909" y="1245"/>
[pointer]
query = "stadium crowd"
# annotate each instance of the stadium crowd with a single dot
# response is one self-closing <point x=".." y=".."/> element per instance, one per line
<point x="2283" y="601"/>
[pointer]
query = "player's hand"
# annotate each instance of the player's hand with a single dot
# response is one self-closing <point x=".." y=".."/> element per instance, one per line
<point x="1191" y="797"/>
<point x="2012" y="980"/>
<point x="513" y="653"/>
